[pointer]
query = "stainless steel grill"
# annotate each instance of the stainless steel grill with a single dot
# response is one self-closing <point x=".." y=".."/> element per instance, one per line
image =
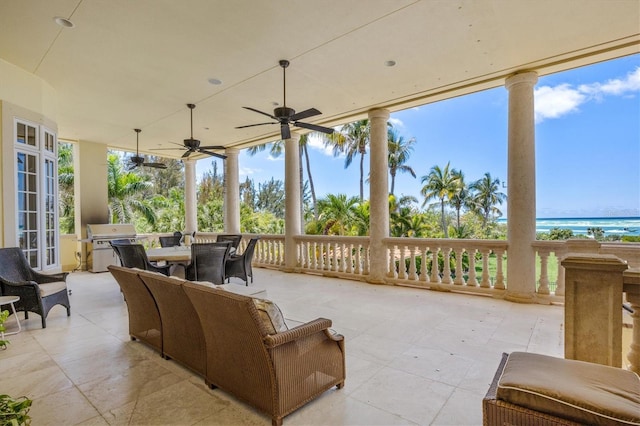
<point x="99" y="251"/>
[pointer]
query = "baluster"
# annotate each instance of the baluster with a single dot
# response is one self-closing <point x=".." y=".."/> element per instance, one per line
<point x="485" y="281"/>
<point x="402" y="268"/>
<point x="321" y="262"/>
<point x="334" y="255"/>
<point x="472" y="281"/>
<point x="341" y="266"/>
<point x="499" y="270"/>
<point x="350" y="259"/>
<point x="560" y="280"/>
<point x="358" y="268"/>
<point x="412" y="263"/>
<point x="446" y="273"/>
<point x="392" y="262"/>
<point x="459" y="280"/>
<point x="435" y="270"/>
<point x="543" y="287"/>
<point x="424" y="266"/>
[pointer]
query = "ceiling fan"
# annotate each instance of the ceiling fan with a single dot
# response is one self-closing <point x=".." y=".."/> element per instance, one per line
<point x="137" y="160"/>
<point x="193" y="145"/>
<point x="285" y="116"/>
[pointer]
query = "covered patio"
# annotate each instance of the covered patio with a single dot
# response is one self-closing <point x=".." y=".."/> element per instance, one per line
<point x="413" y="357"/>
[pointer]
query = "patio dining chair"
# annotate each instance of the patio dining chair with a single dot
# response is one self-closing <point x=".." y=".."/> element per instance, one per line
<point x="134" y="256"/>
<point x="208" y="262"/>
<point x="234" y="239"/>
<point x="239" y="265"/>
<point x="172" y="241"/>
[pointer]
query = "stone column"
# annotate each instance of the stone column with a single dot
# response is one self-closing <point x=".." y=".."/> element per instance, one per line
<point x="231" y="192"/>
<point x="378" y="195"/>
<point x="521" y="191"/>
<point x="292" y="217"/>
<point x="592" y="311"/>
<point x="190" y="200"/>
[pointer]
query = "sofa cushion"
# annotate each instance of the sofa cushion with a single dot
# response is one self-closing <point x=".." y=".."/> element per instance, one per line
<point x="52" y="288"/>
<point x="583" y="392"/>
<point x="270" y="315"/>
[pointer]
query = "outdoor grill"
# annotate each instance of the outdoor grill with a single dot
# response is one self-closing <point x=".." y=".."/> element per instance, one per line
<point x="99" y="251"/>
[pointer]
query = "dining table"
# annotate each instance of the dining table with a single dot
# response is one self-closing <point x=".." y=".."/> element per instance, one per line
<point x="178" y="256"/>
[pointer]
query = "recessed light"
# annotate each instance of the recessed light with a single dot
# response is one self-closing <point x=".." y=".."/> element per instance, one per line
<point x="215" y="81"/>
<point x="63" y="22"/>
<point x="390" y="63"/>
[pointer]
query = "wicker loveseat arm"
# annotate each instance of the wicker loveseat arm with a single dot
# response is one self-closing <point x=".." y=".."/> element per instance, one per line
<point x="304" y="330"/>
<point x="48" y="278"/>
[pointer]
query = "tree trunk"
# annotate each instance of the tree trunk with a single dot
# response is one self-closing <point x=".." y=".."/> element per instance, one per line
<point x="311" y="187"/>
<point x="444" y="225"/>
<point x="301" y="191"/>
<point x="361" y="177"/>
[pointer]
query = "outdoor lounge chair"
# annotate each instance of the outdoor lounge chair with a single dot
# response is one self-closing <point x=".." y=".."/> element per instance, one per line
<point x="240" y="265"/>
<point x="275" y="372"/>
<point x="144" y="318"/>
<point x="38" y="292"/>
<point x="533" y="389"/>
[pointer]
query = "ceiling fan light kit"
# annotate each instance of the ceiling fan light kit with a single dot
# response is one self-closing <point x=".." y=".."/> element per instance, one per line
<point x="286" y="116"/>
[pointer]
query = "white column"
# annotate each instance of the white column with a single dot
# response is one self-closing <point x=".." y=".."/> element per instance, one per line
<point x="521" y="191"/>
<point x="292" y="218"/>
<point x="232" y="192"/>
<point x="378" y="194"/>
<point x="190" y="200"/>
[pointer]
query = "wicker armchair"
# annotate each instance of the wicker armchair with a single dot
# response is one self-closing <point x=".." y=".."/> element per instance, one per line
<point x="144" y="318"/>
<point x="182" y="337"/>
<point x="208" y="262"/>
<point x="240" y="265"/>
<point x="38" y="292"/>
<point x="275" y="373"/>
<point x="234" y="239"/>
<point x="134" y="256"/>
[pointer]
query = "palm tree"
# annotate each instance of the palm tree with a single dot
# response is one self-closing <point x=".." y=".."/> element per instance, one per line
<point x="440" y="184"/>
<point x="124" y="190"/>
<point x="486" y="195"/>
<point x="277" y="148"/>
<point x="352" y="139"/>
<point x="65" y="188"/>
<point x="461" y="198"/>
<point x="337" y="213"/>
<point x="399" y="152"/>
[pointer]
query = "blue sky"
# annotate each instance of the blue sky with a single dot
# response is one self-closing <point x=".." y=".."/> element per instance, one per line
<point x="587" y="143"/>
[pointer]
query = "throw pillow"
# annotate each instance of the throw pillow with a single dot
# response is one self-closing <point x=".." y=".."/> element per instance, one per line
<point x="270" y="315"/>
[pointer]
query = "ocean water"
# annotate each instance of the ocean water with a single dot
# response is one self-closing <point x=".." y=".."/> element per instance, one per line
<point x="579" y="225"/>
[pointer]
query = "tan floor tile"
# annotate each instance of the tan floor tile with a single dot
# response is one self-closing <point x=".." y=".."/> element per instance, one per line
<point x="463" y="408"/>
<point x="67" y="407"/>
<point x="37" y="383"/>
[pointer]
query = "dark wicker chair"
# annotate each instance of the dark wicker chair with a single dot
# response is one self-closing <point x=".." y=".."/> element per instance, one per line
<point x="208" y="262"/>
<point x="233" y="238"/>
<point x="171" y="241"/>
<point x="275" y="373"/>
<point x="240" y="265"/>
<point x="38" y="292"/>
<point x="144" y="318"/>
<point x="134" y="256"/>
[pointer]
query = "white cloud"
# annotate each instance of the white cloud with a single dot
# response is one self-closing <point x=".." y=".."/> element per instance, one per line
<point x="316" y="142"/>
<point x="278" y="158"/>
<point x="554" y="102"/>
<point x="247" y="171"/>
<point x="397" y="123"/>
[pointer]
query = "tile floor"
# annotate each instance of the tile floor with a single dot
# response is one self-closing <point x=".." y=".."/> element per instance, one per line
<point x="413" y="357"/>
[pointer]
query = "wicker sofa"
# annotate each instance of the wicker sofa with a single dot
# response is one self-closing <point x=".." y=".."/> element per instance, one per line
<point x="534" y="389"/>
<point x="237" y="343"/>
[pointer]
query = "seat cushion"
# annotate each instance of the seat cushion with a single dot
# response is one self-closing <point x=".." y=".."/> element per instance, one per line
<point x="52" y="288"/>
<point x="579" y="391"/>
<point x="270" y="315"/>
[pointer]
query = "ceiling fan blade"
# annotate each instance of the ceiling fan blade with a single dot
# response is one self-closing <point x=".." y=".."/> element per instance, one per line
<point x="187" y="154"/>
<point x="213" y="154"/>
<point x="132" y="166"/>
<point x="304" y="114"/>
<point x="155" y="165"/>
<point x="211" y="147"/>
<point x="315" y="127"/>
<point x="285" y="132"/>
<point x="253" y="125"/>
<point x="260" y="112"/>
<point x="166" y="149"/>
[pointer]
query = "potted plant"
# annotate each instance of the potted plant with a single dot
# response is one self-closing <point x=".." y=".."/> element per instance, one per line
<point x="14" y="411"/>
<point x="3" y="317"/>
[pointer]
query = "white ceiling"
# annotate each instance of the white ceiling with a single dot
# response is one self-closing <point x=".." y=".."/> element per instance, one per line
<point x="136" y="63"/>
